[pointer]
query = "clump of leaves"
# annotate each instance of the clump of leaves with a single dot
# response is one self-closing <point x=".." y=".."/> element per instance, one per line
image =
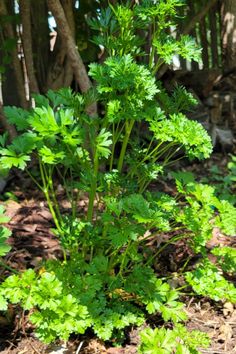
<point x="168" y="341"/>
<point x="224" y="181"/>
<point x="66" y="301"/>
<point x="5" y="233"/>
<point x="226" y="258"/>
<point x="206" y="280"/>
<point x="56" y="312"/>
<point x="203" y="211"/>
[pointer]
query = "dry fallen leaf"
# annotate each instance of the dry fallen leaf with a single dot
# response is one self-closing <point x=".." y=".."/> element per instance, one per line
<point x="226" y="332"/>
<point x="228" y="309"/>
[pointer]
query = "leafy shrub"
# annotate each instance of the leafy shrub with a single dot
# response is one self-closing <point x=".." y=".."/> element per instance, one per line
<point x="106" y="280"/>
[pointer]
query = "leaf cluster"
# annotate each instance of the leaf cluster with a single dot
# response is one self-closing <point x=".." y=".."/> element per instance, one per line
<point x="167" y="341"/>
<point x="206" y="280"/>
<point x="125" y="85"/>
<point x="122" y="29"/>
<point x="224" y="182"/>
<point x="56" y="312"/>
<point x="5" y="233"/>
<point x="203" y="211"/>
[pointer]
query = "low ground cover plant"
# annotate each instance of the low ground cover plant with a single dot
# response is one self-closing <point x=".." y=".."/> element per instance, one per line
<point x="224" y="181"/>
<point x="106" y="280"/>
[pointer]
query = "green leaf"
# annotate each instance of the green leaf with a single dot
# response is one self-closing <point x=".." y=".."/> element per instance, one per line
<point x="11" y="159"/>
<point x="4" y="235"/>
<point x="43" y="121"/>
<point x="189" y="49"/>
<point x="51" y="157"/>
<point x="226" y="220"/>
<point x="126" y="85"/>
<point x="181" y="131"/>
<point x="3" y="303"/>
<point x="178" y="340"/>
<point x="18" y="117"/>
<point x="103" y="142"/>
<point x="226" y="257"/>
<point x="25" y="143"/>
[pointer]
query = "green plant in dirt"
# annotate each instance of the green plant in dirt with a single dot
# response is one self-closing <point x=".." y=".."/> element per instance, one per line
<point x="57" y="313"/>
<point x="216" y="287"/>
<point x="5" y="233"/>
<point x="226" y="257"/>
<point x="203" y="212"/>
<point x="101" y="300"/>
<point x="167" y="341"/>
<point x="224" y="181"/>
<point x="106" y="280"/>
<point x="5" y="247"/>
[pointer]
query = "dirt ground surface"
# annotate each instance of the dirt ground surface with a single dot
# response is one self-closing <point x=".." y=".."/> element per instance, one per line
<point x="32" y="241"/>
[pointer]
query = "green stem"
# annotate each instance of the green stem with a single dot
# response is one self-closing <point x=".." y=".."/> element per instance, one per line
<point x="147" y="157"/>
<point x="144" y="186"/>
<point x="164" y="246"/>
<point x="182" y="269"/>
<point x="92" y="193"/>
<point x="122" y="266"/>
<point x="4" y="265"/>
<point x="151" y="58"/>
<point x="128" y="129"/>
<point x="174" y="161"/>
<point x="54" y="198"/>
<point x="116" y="134"/>
<point x="155" y="155"/>
<point x="47" y="195"/>
<point x="34" y="179"/>
<point x="113" y="148"/>
<point x="158" y="64"/>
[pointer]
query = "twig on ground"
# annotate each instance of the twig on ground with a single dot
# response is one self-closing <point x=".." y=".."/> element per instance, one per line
<point x="79" y="347"/>
<point x="35" y="349"/>
<point x="10" y="347"/>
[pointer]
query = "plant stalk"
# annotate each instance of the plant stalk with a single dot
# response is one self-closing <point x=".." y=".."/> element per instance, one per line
<point x="128" y="129"/>
<point x="92" y="193"/>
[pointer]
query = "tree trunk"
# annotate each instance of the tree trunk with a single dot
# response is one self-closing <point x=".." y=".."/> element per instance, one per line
<point x="27" y="44"/>
<point x="204" y="43"/>
<point x="60" y="73"/>
<point x="228" y="16"/>
<point x="65" y="33"/>
<point x="10" y="34"/>
<point x="40" y="41"/>
<point x="228" y="31"/>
